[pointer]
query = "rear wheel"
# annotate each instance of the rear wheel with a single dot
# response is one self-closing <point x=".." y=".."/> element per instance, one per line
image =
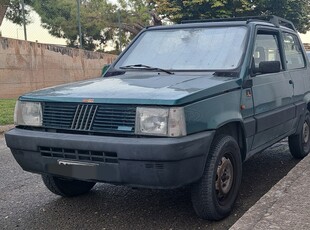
<point x="300" y="143"/>
<point x="65" y="187"/>
<point x="214" y="195"/>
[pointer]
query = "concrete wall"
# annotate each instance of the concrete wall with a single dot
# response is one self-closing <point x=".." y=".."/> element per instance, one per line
<point x="27" y="66"/>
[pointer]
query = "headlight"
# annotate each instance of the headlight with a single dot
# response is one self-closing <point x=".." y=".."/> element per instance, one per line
<point x="28" y="113"/>
<point x="161" y="121"/>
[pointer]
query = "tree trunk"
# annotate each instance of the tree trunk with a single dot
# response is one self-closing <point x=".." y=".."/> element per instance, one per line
<point x="3" y="9"/>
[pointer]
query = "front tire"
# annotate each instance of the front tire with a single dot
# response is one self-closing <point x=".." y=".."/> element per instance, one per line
<point x="214" y="195"/>
<point x="300" y="143"/>
<point x="65" y="187"/>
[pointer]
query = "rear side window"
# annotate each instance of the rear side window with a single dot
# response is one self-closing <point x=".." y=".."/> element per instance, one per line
<point x="293" y="52"/>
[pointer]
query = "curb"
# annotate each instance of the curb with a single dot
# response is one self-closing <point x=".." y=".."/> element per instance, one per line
<point x="262" y="214"/>
<point x="4" y="128"/>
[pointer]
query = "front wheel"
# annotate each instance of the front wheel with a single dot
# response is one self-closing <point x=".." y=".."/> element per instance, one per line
<point x="65" y="187"/>
<point x="300" y="143"/>
<point x="214" y="195"/>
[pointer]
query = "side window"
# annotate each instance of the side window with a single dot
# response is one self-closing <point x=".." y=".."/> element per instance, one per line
<point x="293" y="52"/>
<point x="266" y="49"/>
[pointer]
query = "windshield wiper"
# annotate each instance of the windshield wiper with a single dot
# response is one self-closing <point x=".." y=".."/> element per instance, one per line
<point x="145" y="67"/>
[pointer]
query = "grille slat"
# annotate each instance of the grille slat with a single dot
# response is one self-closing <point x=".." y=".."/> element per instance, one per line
<point x="60" y="109"/>
<point x="90" y="117"/>
<point x="115" y="117"/>
<point x="117" y="125"/>
<point x="114" y="121"/>
<point x="80" y="155"/>
<point x="117" y="108"/>
<point x="57" y="116"/>
<point x="59" y="122"/>
<point x="112" y="118"/>
<point x="78" y="113"/>
<point x="93" y="117"/>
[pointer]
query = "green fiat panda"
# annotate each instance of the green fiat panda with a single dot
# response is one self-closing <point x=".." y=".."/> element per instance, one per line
<point x="183" y="105"/>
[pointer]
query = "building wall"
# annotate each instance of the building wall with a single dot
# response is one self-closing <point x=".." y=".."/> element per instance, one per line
<point x="307" y="46"/>
<point x="27" y="66"/>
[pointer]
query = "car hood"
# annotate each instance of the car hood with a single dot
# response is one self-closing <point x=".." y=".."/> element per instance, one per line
<point x="159" y="89"/>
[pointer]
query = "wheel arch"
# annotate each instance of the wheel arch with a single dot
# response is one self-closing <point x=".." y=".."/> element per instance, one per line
<point x="237" y="131"/>
<point x="307" y="100"/>
<point x="301" y="111"/>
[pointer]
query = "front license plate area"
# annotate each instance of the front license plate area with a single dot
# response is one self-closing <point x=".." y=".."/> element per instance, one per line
<point x="74" y="169"/>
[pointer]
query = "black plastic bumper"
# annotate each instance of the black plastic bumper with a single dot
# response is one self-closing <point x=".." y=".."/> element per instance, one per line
<point x="138" y="162"/>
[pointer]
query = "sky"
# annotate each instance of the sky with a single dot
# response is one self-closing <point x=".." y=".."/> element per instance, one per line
<point x="36" y="33"/>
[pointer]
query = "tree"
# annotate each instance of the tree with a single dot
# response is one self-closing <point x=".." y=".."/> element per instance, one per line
<point x="101" y="20"/>
<point x="59" y="17"/>
<point x="298" y="11"/>
<point x="128" y="18"/>
<point x="3" y="8"/>
<point x="13" y="11"/>
<point x="178" y="11"/>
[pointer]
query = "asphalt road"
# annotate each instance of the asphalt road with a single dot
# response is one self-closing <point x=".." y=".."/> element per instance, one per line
<point x="26" y="204"/>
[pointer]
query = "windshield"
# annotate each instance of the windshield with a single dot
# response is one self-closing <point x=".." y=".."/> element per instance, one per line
<point x="218" y="48"/>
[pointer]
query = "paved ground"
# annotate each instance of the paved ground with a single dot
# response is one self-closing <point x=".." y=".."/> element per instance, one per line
<point x="26" y="204"/>
<point x="285" y="206"/>
<point x="4" y="128"/>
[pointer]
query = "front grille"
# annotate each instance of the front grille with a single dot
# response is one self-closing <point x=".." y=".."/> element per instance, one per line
<point x="80" y="155"/>
<point x="90" y="117"/>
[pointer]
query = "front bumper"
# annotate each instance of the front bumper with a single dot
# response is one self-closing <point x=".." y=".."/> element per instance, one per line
<point x="137" y="162"/>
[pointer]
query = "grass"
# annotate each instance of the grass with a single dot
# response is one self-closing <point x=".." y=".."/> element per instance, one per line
<point x="7" y="111"/>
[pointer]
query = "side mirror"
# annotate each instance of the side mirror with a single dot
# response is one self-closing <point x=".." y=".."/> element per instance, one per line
<point x="269" y="67"/>
<point x="104" y="69"/>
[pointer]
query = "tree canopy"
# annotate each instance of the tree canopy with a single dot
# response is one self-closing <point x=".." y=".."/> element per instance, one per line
<point x="298" y="11"/>
<point x="103" y="21"/>
<point x="178" y="11"/>
<point x="14" y="10"/>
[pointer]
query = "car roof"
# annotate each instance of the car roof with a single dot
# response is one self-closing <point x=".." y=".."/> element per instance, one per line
<point x="272" y="21"/>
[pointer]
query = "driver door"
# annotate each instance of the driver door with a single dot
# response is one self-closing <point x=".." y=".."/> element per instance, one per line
<point x="272" y="92"/>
